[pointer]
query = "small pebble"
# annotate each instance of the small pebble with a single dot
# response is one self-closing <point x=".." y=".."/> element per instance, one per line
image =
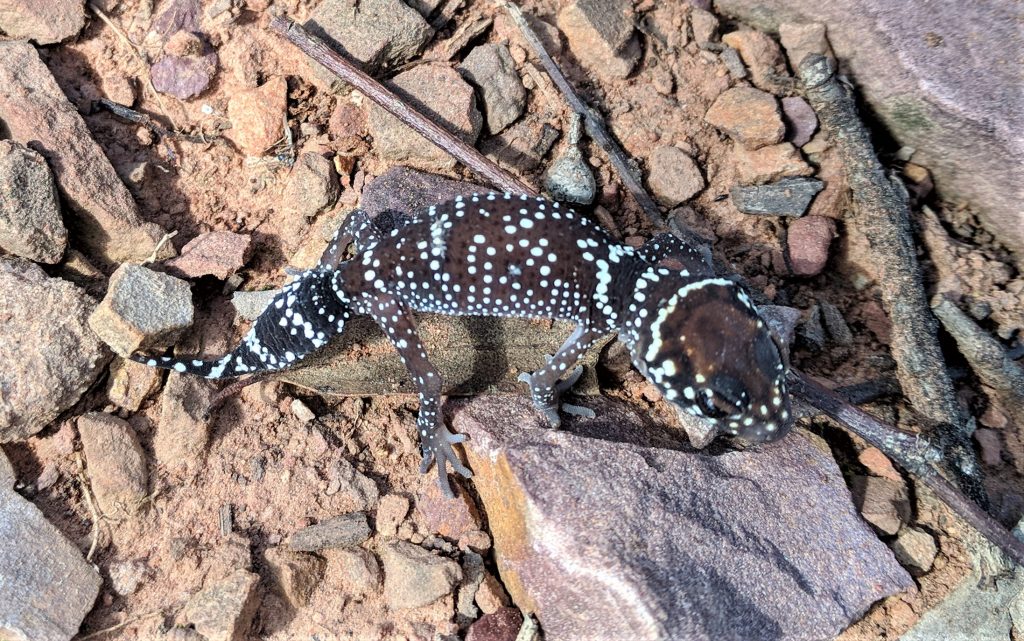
<point x="801" y="121"/>
<point x="807" y="242"/>
<point x="302" y="411"/>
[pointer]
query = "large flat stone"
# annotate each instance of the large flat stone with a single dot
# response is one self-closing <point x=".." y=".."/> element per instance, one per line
<point x="103" y="218"/>
<point x="46" y="587"/>
<point x="946" y="90"/>
<point x="596" y="530"/>
<point x="48" y="354"/>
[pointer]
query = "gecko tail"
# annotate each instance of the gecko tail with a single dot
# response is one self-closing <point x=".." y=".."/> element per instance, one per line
<point x="297" y="322"/>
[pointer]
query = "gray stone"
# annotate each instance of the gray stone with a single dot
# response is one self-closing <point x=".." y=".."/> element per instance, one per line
<point x="184" y="428"/>
<point x="414" y="577"/>
<point x="223" y="611"/>
<point x="102" y="215"/>
<point x="116" y="463"/>
<point x="601" y="35"/>
<point x="490" y="68"/>
<point x="249" y="305"/>
<point x="441" y="93"/>
<point x="473" y="572"/>
<point x="786" y="197"/>
<point x="945" y="90"/>
<point x="44" y="21"/>
<point x="674" y="177"/>
<point x="569" y="178"/>
<point x="49" y="355"/>
<point x="376" y="33"/>
<point x="47" y="587"/>
<point x="342" y="531"/>
<point x="142" y="308"/>
<point x="312" y="185"/>
<point x="30" y="223"/>
<point x="603" y="531"/>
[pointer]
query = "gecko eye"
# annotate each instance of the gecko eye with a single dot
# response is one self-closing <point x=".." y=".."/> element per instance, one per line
<point x="709" y="405"/>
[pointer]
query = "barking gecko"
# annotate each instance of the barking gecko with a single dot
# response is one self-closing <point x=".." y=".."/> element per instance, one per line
<point x="697" y="337"/>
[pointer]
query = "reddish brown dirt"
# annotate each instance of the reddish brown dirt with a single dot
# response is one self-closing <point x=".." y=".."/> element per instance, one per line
<point x="272" y="469"/>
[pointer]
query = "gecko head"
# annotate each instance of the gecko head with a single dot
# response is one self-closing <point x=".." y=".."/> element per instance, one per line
<point x="712" y="355"/>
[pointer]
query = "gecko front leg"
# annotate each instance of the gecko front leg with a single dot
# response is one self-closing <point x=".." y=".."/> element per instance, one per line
<point x="545" y="386"/>
<point x="435" y="440"/>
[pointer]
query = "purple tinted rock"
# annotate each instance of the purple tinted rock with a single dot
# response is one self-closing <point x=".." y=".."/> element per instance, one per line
<point x="502" y="625"/>
<point x="406" y="191"/>
<point x="938" y="87"/>
<point x="184" y="76"/>
<point x="179" y="15"/>
<point x="603" y="531"/>
<point x="801" y="123"/>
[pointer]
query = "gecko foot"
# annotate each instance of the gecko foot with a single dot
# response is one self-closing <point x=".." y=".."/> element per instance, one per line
<point x="548" y="403"/>
<point x="437" y="450"/>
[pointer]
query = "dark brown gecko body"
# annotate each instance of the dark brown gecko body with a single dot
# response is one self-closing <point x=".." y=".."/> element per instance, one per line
<point x="697" y="337"/>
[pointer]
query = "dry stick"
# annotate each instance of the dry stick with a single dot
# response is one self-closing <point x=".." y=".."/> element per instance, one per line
<point x="911" y="452"/>
<point x="987" y="357"/>
<point x="883" y="216"/>
<point x="316" y="49"/>
<point x="595" y="127"/>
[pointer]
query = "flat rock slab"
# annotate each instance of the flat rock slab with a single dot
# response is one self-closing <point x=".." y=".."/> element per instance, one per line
<point x="46" y="587"/>
<point x="592" y="533"/>
<point x="103" y="218"/>
<point x="473" y="354"/>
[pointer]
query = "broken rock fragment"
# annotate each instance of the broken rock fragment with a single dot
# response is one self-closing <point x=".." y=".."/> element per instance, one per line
<point x="441" y="93"/>
<point x="674" y="177"/>
<point x="257" y="116"/>
<point x="643" y="542"/>
<point x="377" y="33"/>
<point x="215" y="253"/>
<point x="30" y="222"/>
<point x="342" y="531"/>
<point x="414" y="577"/>
<point x="601" y="35"/>
<point x="49" y="354"/>
<point x="142" y="308"/>
<point x="46" y="22"/>
<point x="748" y="115"/>
<point x="490" y="68"/>
<point x="116" y="463"/>
<point x="808" y="241"/>
<point x="223" y="611"/>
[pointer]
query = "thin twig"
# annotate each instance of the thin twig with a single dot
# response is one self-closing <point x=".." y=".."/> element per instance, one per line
<point x="916" y="454"/>
<point x="882" y="215"/>
<point x="119" y="626"/>
<point x="316" y="49"/>
<point x="93" y="513"/>
<point x="595" y="127"/>
<point x="987" y="357"/>
<point x="152" y="258"/>
<point x="131" y="115"/>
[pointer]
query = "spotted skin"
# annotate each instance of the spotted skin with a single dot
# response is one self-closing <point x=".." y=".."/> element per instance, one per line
<point x="696" y="337"/>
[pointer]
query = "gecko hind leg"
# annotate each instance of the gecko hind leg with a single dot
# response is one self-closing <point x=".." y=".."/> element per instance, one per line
<point x="545" y="386"/>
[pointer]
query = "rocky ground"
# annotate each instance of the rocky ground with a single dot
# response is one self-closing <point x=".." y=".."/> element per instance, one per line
<point x="128" y="513"/>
